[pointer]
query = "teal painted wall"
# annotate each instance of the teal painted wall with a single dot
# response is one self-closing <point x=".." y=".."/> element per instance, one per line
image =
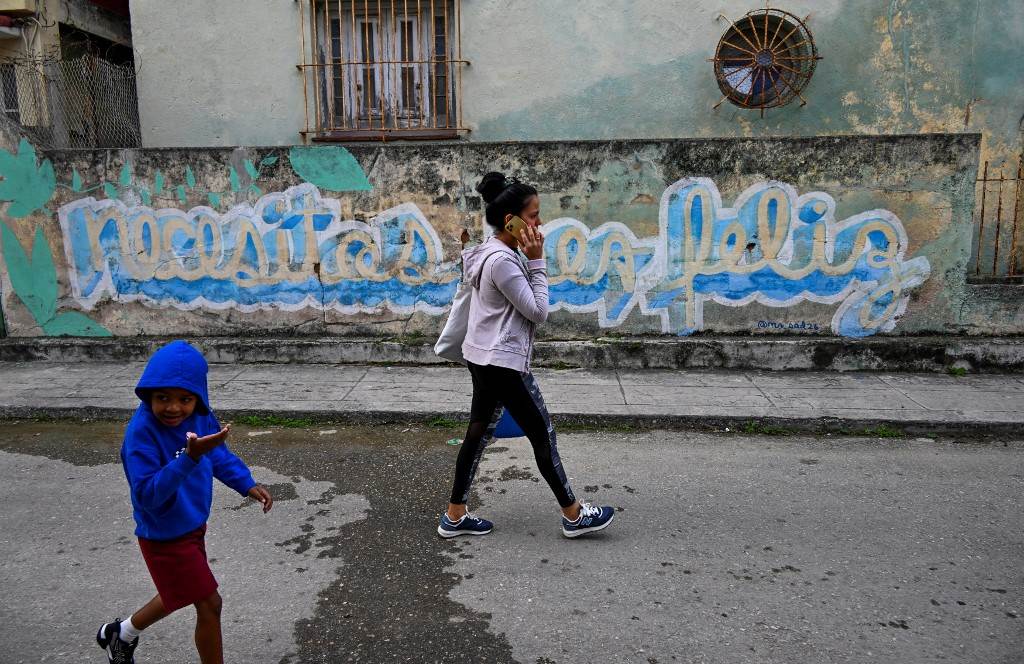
<point x="605" y="69"/>
<point x="601" y="69"/>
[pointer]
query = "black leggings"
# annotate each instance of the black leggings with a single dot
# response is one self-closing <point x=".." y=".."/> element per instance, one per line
<point x="495" y="389"/>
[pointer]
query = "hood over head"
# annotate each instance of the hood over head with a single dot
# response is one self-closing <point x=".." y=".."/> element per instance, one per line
<point x="180" y="365"/>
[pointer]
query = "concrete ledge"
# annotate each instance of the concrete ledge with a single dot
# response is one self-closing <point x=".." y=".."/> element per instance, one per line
<point x="886" y="427"/>
<point x="761" y="353"/>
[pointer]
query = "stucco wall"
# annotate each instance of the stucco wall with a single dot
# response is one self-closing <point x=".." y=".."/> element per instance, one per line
<point x="217" y="73"/>
<point x="849" y="236"/>
<point x="890" y="66"/>
<point x="223" y="73"/>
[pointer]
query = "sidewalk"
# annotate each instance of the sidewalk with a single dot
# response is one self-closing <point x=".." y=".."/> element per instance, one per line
<point x="645" y="398"/>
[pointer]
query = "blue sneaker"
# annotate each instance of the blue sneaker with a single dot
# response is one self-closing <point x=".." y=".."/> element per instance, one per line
<point x="467" y="525"/>
<point x="590" y="520"/>
<point x="109" y="638"/>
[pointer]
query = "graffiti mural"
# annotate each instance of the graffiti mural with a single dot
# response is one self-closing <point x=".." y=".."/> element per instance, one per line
<point x="27" y="186"/>
<point x="285" y="250"/>
<point x="773" y="246"/>
<point x="289" y="251"/>
<point x="292" y="250"/>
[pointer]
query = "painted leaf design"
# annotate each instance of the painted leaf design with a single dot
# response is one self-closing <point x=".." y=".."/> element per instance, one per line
<point x="268" y="161"/>
<point x="233" y="176"/>
<point x="76" y="180"/>
<point x="330" y="167"/>
<point x="18" y="268"/>
<point x="147" y="200"/>
<point x="251" y="169"/>
<point x="27" y="186"/>
<point x="214" y="199"/>
<point x="158" y="183"/>
<point x="126" y="175"/>
<point x="190" y="177"/>
<point x="45" y="275"/>
<point x="35" y="282"/>
<point x="109" y="190"/>
<point x="74" y="324"/>
<point x="181" y="193"/>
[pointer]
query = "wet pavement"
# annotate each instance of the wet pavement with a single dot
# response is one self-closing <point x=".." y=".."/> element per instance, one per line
<point x="725" y="548"/>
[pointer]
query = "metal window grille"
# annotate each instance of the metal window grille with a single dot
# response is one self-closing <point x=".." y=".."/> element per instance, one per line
<point x="999" y="235"/>
<point x="381" y="69"/>
<point x="9" y="92"/>
<point x="765" y="59"/>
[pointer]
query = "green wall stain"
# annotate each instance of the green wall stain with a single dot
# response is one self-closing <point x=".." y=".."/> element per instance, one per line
<point x="329" y="167"/>
<point x="25" y="185"/>
<point x="943" y="55"/>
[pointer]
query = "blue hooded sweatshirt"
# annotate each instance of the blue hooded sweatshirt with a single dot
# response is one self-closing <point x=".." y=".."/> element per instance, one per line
<point x="171" y="493"/>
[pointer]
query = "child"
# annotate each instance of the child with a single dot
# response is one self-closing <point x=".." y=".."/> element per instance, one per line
<point x="173" y="448"/>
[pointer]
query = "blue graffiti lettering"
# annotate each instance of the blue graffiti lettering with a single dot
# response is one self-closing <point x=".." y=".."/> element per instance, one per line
<point x="774" y="247"/>
<point x="291" y="250"/>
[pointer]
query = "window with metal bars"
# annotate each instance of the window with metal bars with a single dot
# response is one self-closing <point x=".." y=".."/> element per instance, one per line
<point x="9" y="92"/>
<point x="383" y="69"/>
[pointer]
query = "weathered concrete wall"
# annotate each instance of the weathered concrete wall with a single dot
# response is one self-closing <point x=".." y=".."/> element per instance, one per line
<point x="223" y="73"/>
<point x="218" y="73"/>
<point x="566" y="71"/>
<point x="849" y="236"/>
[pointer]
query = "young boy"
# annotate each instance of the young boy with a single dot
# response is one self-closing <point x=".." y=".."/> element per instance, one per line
<point x="173" y="448"/>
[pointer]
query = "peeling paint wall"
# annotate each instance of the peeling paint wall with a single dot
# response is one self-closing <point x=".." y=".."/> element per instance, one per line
<point x="830" y="236"/>
<point x="607" y="69"/>
<point x="565" y="71"/>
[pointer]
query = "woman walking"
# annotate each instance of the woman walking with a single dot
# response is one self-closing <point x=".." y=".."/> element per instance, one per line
<point x="509" y="299"/>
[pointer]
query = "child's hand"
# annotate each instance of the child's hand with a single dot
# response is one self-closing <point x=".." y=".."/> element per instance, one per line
<point x="197" y="447"/>
<point x="260" y="494"/>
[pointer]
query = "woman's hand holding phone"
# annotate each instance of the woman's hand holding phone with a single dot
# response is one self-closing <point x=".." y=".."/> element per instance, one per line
<point x="531" y="241"/>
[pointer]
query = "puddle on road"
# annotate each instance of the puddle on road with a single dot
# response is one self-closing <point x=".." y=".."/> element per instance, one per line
<point x="347" y="565"/>
<point x="764" y="548"/>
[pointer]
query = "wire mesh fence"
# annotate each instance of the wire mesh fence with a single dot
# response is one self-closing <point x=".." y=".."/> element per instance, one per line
<point x="83" y="102"/>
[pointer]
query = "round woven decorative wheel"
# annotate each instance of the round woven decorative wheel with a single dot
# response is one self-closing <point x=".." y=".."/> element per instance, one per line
<point x="765" y="59"/>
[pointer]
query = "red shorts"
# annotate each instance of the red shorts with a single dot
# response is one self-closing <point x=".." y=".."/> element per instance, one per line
<point x="179" y="568"/>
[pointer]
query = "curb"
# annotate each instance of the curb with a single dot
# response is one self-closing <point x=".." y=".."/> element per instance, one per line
<point x="771" y="425"/>
<point x="759" y="353"/>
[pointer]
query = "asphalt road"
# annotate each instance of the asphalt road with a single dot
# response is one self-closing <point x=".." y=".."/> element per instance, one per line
<point x="725" y="548"/>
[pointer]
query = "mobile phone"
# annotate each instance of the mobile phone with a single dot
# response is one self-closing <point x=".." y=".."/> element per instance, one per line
<point x="516" y="226"/>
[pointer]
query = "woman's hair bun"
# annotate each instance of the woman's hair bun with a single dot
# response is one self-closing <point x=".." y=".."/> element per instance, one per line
<point x="491" y="185"/>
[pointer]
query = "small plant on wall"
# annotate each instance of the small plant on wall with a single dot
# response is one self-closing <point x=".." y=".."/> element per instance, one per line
<point x="163" y="189"/>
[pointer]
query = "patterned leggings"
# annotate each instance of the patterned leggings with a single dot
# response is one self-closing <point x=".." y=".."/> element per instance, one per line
<point x="494" y="390"/>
